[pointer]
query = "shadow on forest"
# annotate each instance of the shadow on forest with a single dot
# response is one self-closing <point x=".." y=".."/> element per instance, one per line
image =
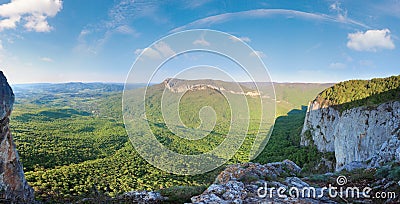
<point x="284" y="142"/>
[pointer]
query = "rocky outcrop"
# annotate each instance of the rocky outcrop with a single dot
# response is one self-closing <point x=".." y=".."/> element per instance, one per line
<point x="13" y="186"/>
<point x="148" y="197"/>
<point x="181" y="86"/>
<point x="388" y="152"/>
<point x="355" y="135"/>
<point x="141" y="197"/>
<point x="252" y="183"/>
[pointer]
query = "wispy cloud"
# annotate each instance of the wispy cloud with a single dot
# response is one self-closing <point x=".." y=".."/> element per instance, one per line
<point x="337" y="65"/>
<point x="257" y="54"/>
<point x="32" y="13"/>
<point x="158" y="51"/>
<point x="238" y="39"/>
<point x="341" y="14"/>
<point x="315" y="47"/>
<point x="264" y="13"/>
<point x="196" y="4"/>
<point x="370" y="40"/>
<point x="201" y="41"/>
<point x="46" y="59"/>
<point x="93" y="37"/>
<point x="125" y="29"/>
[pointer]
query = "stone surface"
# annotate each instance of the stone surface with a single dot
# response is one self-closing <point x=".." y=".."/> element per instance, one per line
<point x="141" y="197"/>
<point x="241" y="183"/>
<point x="353" y="166"/>
<point x="181" y="86"/>
<point x="388" y="152"/>
<point x="13" y="186"/>
<point x="355" y="134"/>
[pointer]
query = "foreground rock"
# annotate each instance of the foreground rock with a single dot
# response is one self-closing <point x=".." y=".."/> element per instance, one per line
<point x="148" y="197"/>
<point x="13" y="186"/>
<point x="141" y="197"/>
<point x="245" y="183"/>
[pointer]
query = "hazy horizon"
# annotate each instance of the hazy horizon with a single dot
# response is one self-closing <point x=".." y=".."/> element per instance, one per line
<point x="122" y="83"/>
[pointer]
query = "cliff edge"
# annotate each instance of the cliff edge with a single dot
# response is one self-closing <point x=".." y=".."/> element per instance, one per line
<point x="357" y="129"/>
<point x="13" y="186"/>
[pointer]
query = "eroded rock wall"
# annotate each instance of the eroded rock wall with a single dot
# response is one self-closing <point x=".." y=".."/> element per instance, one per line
<point x="355" y="134"/>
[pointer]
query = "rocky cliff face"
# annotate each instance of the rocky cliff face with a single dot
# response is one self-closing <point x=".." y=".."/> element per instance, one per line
<point x="356" y="134"/>
<point x="13" y="186"/>
<point x="180" y="86"/>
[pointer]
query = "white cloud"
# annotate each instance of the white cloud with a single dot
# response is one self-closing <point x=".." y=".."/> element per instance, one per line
<point x="341" y="13"/>
<point x="335" y="6"/>
<point x="125" y="29"/>
<point x="371" y="40"/>
<point x="164" y="49"/>
<point x="94" y="36"/>
<point x="83" y="33"/>
<point x="151" y="53"/>
<point x="138" y="51"/>
<point x="201" y="42"/>
<point x="196" y="4"/>
<point x="158" y="51"/>
<point x="46" y="59"/>
<point x="257" y="53"/>
<point x="337" y="65"/>
<point x="34" y="14"/>
<point x="238" y="39"/>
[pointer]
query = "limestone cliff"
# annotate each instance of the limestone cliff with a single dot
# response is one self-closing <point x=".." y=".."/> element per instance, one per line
<point x="181" y="86"/>
<point x="356" y="134"/>
<point x="13" y="186"/>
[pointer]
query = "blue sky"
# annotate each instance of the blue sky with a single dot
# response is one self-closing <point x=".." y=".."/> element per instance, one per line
<point x="99" y="40"/>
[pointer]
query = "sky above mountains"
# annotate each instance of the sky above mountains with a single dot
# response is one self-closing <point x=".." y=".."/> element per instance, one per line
<point x="99" y="40"/>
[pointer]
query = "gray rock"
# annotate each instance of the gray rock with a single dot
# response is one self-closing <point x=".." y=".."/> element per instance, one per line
<point x="353" y="135"/>
<point x="295" y="182"/>
<point x="141" y="197"/>
<point x="235" y="189"/>
<point x="13" y="186"/>
<point x="390" y="183"/>
<point x="208" y="198"/>
<point x="6" y="97"/>
<point x="389" y="151"/>
<point x="217" y="189"/>
<point x="353" y="166"/>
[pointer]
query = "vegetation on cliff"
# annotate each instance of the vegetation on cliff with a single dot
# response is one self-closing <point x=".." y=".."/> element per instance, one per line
<point x="356" y="93"/>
